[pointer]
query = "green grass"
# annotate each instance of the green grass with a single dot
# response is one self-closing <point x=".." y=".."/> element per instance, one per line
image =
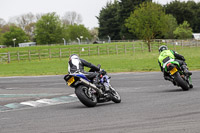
<point x="140" y="61"/>
<point x="41" y="47"/>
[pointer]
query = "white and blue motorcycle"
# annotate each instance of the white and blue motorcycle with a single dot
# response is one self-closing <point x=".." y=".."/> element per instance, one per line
<point x="88" y="93"/>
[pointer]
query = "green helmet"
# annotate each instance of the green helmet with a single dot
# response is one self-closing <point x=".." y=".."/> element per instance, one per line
<point x="162" y="48"/>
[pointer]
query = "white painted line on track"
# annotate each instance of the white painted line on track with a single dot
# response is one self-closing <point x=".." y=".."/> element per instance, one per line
<point x="46" y="101"/>
<point x="73" y="95"/>
<point x="33" y="103"/>
<point x="49" y="101"/>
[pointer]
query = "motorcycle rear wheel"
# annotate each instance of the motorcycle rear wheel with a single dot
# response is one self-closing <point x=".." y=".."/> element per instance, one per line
<point x="182" y="83"/>
<point x="89" y="100"/>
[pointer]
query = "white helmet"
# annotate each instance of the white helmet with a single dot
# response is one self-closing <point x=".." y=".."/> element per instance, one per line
<point x="73" y="56"/>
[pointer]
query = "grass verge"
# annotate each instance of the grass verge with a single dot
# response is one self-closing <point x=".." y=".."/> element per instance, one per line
<point x="139" y="61"/>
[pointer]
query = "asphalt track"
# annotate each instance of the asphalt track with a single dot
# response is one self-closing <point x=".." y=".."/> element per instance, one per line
<point x="149" y="105"/>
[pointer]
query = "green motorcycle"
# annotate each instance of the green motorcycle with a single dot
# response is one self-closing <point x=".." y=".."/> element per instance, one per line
<point x="178" y="76"/>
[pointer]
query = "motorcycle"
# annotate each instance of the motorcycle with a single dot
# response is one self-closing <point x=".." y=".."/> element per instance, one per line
<point x="88" y="93"/>
<point x="177" y="75"/>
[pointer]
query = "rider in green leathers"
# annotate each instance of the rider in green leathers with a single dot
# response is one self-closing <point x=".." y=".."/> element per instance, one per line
<point x="165" y="53"/>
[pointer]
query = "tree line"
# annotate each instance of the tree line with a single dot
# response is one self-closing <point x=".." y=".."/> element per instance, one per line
<point x="44" y="29"/>
<point x="119" y="20"/>
<point x="127" y="19"/>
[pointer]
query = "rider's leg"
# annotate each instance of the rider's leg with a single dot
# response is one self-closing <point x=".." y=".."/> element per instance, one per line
<point x="94" y="77"/>
<point x="184" y="67"/>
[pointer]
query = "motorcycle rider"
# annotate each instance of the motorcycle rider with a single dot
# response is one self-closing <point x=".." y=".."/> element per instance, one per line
<point x="164" y="54"/>
<point x="76" y="65"/>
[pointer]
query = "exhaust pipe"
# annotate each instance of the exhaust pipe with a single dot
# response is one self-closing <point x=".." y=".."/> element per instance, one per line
<point x="85" y="82"/>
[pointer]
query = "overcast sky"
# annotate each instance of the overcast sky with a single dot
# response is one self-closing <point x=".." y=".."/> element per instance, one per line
<point x="88" y="9"/>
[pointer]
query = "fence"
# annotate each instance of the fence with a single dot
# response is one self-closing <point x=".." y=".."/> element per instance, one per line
<point x="103" y="49"/>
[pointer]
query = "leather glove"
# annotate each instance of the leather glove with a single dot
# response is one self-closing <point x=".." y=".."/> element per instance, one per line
<point x="182" y="58"/>
<point x="103" y="72"/>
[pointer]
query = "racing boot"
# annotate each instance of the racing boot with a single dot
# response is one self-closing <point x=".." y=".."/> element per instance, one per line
<point x="185" y="70"/>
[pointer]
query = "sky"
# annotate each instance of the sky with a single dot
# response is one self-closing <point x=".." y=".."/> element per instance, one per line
<point x="88" y="9"/>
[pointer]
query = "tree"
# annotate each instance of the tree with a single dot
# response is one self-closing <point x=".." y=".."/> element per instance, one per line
<point x="183" y="31"/>
<point x="126" y="7"/>
<point x="147" y="21"/>
<point x="94" y="33"/>
<point x="185" y="11"/>
<point x="6" y="27"/>
<point x="2" y="22"/>
<point x="48" y="29"/>
<point x="24" y="20"/>
<point x="171" y="26"/>
<point x="27" y="23"/>
<point x="71" y="18"/>
<point x="109" y="21"/>
<point x="14" y="33"/>
<point x="72" y="32"/>
<point x="1" y="37"/>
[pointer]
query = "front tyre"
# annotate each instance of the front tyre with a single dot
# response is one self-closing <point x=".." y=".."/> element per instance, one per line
<point x="115" y="97"/>
<point x="86" y="96"/>
<point x="182" y="83"/>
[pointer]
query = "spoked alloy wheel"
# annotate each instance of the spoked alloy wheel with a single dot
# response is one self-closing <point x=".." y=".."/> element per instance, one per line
<point x="115" y="95"/>
<point x="86" y="96"/>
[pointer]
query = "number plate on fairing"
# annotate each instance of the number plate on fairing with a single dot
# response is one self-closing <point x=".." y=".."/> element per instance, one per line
<point x="70" y="81"/>
<point x="174" y="70"/>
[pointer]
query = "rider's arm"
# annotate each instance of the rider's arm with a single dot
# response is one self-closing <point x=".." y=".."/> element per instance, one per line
<point x="90" y="65"/>
<point x="161" y="69"/>
<point x="178" y="56"/>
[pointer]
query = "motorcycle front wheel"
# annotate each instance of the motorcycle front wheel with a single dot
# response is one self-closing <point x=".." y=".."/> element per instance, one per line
<point x="85" y="95"/>
<point x="115" y="97"/>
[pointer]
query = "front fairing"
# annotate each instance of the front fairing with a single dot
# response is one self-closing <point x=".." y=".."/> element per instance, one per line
<point x="105" y="80"/>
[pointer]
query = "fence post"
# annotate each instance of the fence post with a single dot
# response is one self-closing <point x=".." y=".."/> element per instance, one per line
<point x="60" y="53"/>
<point x="88" y="50"/>
<point x="125" y="49"/>
<point x="29" y="55"/>
<point x="79" y="51"/>
<point x="197" y="43"/>
<point x="142" y="47"/>
<point x="116" y="48"/>
<point x="69" y="51"/>
<point x="97" y="50"/>
<point x="39" y="54"/>
<point x="50" y="53"/>
<point x="8" y="57"/>
<point x="18" y="56"/>
<point x="107" y="49"/>
<point x="133" y="49"/>
<point x="182" y="44"/>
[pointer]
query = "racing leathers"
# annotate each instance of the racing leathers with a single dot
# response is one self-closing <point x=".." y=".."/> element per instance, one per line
<point x="76" y="64"/>
<point x="172" y="55"/>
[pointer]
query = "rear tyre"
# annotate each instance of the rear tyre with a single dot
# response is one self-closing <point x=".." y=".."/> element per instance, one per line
<point x="182" y="83"/>
<point x="88" y="98"/>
